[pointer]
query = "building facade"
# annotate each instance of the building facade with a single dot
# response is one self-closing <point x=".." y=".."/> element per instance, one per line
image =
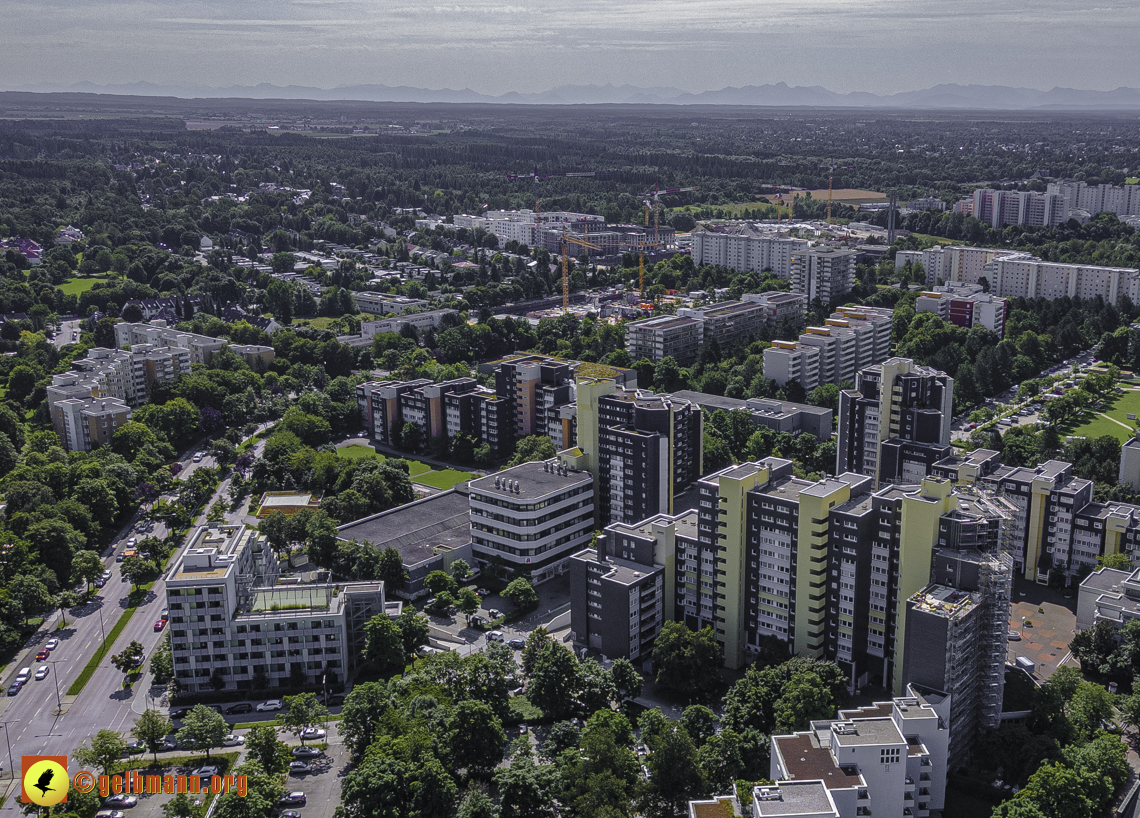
<point x="824" y="274"/>
<point x="747" y="251"/>
<point x="663" y="336"/>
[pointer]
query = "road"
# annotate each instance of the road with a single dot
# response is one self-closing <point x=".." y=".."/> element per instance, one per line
<point x="32" y="720"/>
<point x="66" y="330"/>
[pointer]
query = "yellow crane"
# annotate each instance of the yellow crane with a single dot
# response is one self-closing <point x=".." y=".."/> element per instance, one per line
<point x="567" y="240"/>
<point x="641" y="252"/>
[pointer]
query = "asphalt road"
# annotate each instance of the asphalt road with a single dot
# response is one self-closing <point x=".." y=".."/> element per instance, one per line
<point x="32" y="719"/>
<point x="63" y="337"/>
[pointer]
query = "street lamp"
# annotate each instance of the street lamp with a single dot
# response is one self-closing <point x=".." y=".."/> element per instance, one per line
<point x="11" y="769"/>
<point x="102" y="647"/>
<point x="55" y="677"/>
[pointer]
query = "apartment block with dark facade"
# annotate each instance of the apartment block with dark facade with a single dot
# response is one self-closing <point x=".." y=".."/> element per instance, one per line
<point x="623" y="592"/>
<point x="895" y="424"/>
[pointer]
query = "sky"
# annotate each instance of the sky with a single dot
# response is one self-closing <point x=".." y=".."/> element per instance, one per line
<point x="496" y="46"/>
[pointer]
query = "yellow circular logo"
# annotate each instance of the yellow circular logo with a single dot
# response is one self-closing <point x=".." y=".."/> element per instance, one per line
<point x="46" y="783"/>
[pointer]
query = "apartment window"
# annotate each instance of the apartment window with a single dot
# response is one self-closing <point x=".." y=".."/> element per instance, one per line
<point x="889" y="756"/>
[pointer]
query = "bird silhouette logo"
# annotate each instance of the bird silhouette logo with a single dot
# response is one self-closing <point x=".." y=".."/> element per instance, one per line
<point x="45" y="780"/>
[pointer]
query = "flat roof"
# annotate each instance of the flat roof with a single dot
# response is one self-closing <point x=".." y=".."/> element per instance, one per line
<point x="316" y="598"/>
<point x="805" y="759"/>
<point x="1106" y="579"/>
<point x="795" y="798"/>
<point x="534" y="481"/>
<point x="869" y="731"/>
<point x="417" y="530"/>
<point x="276" y="498"/>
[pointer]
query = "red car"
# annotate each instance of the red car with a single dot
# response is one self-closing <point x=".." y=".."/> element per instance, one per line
<point x="160" y="624"/>
<point x="43" y="654"/>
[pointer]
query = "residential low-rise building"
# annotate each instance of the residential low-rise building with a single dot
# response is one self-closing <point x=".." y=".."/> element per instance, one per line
<point x="664" y="336"/>
<point x="382" y="304"/>
<point x="422" y="321"/>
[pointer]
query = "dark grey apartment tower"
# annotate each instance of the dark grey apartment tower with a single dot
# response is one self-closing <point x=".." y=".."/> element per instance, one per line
<point x="895" y="424"/>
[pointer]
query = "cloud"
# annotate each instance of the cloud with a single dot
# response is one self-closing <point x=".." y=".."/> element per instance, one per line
<point x="529" y="45"/>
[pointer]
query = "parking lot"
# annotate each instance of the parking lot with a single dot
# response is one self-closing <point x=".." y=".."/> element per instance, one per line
<point x="553" y="600"/>
<point x="1052" y="619"/>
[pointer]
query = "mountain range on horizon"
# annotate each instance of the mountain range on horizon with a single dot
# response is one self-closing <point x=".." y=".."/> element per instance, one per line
<point x="945" y="96"/>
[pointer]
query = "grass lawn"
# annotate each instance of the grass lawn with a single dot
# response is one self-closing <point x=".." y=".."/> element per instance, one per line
<point x="442" y="479"/>
<point x="356" y="452"/>
<point x="1096" y="426"/>
<point x="77" y="286"/>
<point x="1123" y="405"/>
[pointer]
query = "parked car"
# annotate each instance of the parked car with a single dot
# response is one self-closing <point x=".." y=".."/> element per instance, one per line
<point x="269" y="706"/>
<point x="240" y="707"/>
<point x="42" y="673"/>
<point x="233" y="741"/>
<point x="133" y="747"/>
<point x="110" y="813"/>
<point x="122" y="800"/>
<point x="494" y="614"/>
<point x="14" y="688"/>
<point x="335" y="699"/>
<point x="24" y="674"/>
<point x="483" y="592"/>
<point x="198" y="457"/>
<point x="299" y="768"/>
<point x="517" y="644"/>
<point x="296" y="797"/>
<point x="495" y="636"/>
<point x="312" y="734"/>
<point x="167" y="744"/>
<point x="290" y="813"/>
<point x="1013" y="636"/>
<point x="179" y="712"/>
<point x="208" y="771"/>
<point x="306" y="752"/>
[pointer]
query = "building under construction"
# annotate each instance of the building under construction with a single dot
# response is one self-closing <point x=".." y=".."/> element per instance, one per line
<point x="956" y="626"/>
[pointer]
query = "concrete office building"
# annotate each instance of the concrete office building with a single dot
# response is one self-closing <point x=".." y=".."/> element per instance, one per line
<point x="529" y="520"/>
<point x="422" y="321"/>
<point x="748" y="250"/>
<point x="887" y="759"/>
<point x="779" y="416"/>
<point x="779" y="310"/>
<point x="664" y="336"/>
<point x="826" y="274"/>
<point x="623" y="592"/>
<point x="895" y="424"/>
<point x="383" y="304"/>
<point x="641" y="448"/>
<point x="229" y="621"/>
<point x="157" y="334"/>
<point x="729" y="323"/>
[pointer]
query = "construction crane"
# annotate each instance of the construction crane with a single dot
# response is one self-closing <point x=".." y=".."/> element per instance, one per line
<point x="641" y="252"/>
<point x="536" y="176"/>
<point x="656" y="196"/>
<point x="567" y="240"/>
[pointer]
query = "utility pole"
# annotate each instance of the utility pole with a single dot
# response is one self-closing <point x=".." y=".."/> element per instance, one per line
<point x="11" y="769"/>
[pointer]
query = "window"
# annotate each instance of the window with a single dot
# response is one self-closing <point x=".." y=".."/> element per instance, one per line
<point x="889" y="756"/>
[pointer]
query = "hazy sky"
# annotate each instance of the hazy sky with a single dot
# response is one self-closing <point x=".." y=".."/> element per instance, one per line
<point x="494" y="46"/>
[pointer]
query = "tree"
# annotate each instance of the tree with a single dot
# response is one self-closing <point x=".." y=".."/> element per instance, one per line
<point x="468" y="601"/>
<point x="183" y="806"/>
<point x="526" y="789"/>
<point x="390" y="568"/>
<point x="203" y="729"/>
<point x="700" y="722"/>
<point x="439" y="582"/>
<point x="263" y="792"/>
<point x="130" y="658"/>
<point x="476" y="804"/>
<point x="1090" y="709"/>
<point x="30" y="595"/>
<point x="461" y="571"/>
<point x="139" y="571"/>
<point x="303" y="711"/>
<point x="536" y="642"/>
<point x="87" y="567"/>
<point x="626" y="679"/>
<point x="684" y="660"/>
<point x="361" y="716"/>
<point x="675" y="777"/>
<point x="534" y="447"/>
<point x="476" y="737"/>
<point x="162" y="661"/>
<point x="521" y="593"/>
<point x="563" y="735"/>
<point x="105" y="751"/>
<point x="275" y="528"/>
<point x="262" y="745"/>
<point x="1118" y="561"/>
<point x="791" y="693"/>
<point x="383" y="643"/>
<point x="414" y="631"/>
<point x="150" y="729"/>
<point x="554" y="680"/>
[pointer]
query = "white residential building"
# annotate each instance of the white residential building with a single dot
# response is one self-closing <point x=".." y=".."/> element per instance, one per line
<point x="823" y="273"/>
<point x="1026" y="276"/>
<point x="747" y="251"/>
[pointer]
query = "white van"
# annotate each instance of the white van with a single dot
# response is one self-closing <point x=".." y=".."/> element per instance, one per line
<point x="495" y="636"/>
<point x="24" y="674"/>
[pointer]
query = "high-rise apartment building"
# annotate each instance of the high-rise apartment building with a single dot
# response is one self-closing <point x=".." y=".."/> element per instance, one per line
<point x="157" y="334"/>
<point x="748" y="250"/>
<point x="729" y="323"/>
<point x="1025" y="276"/>
<point x="824" y="273"/>
<point x="851" y="339"/>
<point x="641" y="448"/>
<point x="966" y="306"/>
<point x="895" y="424"/>
<point x="779" y="310"/>
<point x="999" y="208"/>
